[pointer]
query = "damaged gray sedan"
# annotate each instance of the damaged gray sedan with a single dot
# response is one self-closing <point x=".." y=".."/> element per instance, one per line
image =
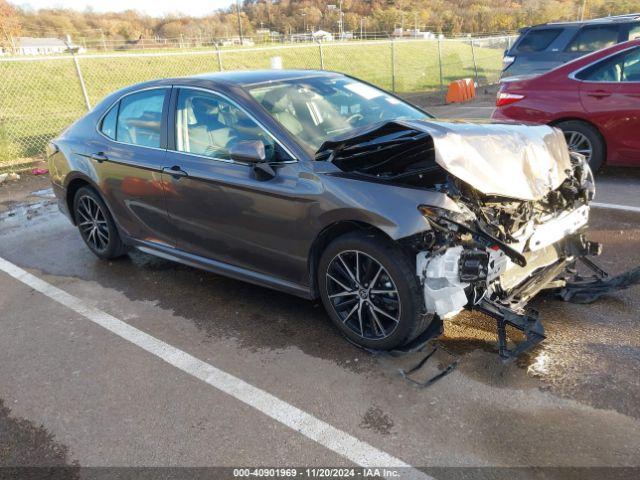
<point x="323" y="186"/>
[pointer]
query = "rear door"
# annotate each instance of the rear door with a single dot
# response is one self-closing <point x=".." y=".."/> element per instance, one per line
<point x="128" y="156"/>
<point x="610" y="93"/>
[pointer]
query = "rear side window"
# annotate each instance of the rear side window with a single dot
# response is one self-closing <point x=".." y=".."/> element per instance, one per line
<point x="537" y="40"/>
<point x="634" y="32"/>
<point x="624" y="67"/>
<point x="109" y="122"/>
<point x="590" y="39"/>
<point x="140" y="117"/>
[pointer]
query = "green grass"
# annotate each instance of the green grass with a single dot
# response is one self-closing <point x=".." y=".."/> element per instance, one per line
<point x="39" y="98"/>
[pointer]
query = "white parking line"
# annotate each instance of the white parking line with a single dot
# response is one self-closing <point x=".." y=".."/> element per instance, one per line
<point x="311" y="427"/>
<point x="614" y="206"/>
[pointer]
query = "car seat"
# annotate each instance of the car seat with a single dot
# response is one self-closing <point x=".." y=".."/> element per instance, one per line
<point x="208" y="135"/>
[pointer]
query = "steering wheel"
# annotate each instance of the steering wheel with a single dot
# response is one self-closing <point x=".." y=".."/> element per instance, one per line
<point x="356" y="117"/>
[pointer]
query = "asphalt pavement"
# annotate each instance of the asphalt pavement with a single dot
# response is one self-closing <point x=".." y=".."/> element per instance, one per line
<point x="144" y="363"/>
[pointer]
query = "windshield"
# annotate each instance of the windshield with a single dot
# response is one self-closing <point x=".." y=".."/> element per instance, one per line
<point x="319" y="108"/>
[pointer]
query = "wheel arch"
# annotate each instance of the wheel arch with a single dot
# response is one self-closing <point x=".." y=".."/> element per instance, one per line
<point x="74" y="184"/>
<point x="324" y="238"/>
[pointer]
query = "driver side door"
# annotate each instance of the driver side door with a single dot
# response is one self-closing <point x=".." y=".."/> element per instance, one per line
<point x="219" y="209"/>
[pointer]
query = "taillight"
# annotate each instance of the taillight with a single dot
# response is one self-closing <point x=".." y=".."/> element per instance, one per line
<point x="505" y="98"/>
<point x="507" y="60"/>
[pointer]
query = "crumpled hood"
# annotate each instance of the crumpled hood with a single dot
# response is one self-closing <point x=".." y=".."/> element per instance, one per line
<point x="516" y="161"/>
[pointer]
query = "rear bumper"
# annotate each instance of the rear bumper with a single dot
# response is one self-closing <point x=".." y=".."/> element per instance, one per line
<point x="61" y="196"/>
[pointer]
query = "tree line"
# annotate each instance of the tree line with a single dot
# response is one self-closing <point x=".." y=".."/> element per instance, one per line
<point x="451" y="17"/>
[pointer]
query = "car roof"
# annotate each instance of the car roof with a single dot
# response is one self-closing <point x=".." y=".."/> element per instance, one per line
<point x="244" y="78"/>
<point x="223" y="81"/>
<point x="252" y="77"/>
<point x="628" y="18"/>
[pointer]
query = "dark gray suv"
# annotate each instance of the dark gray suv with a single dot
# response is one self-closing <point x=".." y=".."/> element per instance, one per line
<point x="543" y="47"/>
<point x="323" y="186"/>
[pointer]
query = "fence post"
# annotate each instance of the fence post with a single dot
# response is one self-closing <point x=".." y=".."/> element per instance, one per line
<point x="440" y="67"/>
<point x="219" y="58"/>
<point x="393" y="66"/>
<point x="81" y="80"/>
<point x="321" y="55"/>
<point x="475" y="64"/>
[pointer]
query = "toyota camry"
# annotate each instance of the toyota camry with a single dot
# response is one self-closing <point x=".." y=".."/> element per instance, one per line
<point x="324" y="186"/>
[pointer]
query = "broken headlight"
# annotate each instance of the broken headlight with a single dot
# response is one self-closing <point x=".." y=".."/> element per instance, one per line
<point x="465" y="215"/>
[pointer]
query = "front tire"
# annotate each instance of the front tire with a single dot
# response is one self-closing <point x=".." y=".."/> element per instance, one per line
<point x="96" y="225"/>
<point x="586" y="140"/>
<point x="370" y="290"/>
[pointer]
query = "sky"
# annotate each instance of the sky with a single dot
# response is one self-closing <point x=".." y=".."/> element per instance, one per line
<point x="194" y="8"/>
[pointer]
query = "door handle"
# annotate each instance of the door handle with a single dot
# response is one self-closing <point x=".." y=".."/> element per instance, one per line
<point x="599" y="94"/>
<point x="99" y="157"/>
<point x="175" y="171"/>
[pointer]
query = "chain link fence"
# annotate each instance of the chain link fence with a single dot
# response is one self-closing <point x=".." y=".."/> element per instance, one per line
<point x="40" y="96"/>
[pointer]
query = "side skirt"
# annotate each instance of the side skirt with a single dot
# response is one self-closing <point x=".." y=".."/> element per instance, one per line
<point x="214" y="266"/>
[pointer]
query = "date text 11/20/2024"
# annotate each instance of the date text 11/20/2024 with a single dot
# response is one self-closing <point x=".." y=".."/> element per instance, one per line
<point x="374" y="472"/>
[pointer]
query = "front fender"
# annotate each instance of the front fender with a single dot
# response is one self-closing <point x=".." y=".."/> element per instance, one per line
<point x="391" y="208"/>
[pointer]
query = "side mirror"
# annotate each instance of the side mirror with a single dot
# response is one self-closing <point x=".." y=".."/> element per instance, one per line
<point x="248" y="151"/>
<point x="252" y="151"/>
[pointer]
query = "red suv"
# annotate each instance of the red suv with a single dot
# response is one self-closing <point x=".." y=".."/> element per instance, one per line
<point x="594" y="100"/>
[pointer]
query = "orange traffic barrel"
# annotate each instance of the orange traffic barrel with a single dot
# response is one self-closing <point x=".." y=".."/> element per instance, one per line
<point x="461" y="91"/>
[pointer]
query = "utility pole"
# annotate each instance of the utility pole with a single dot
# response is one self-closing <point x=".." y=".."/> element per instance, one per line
<point x="340" y="21"/>
<point x="361" y="27"/>
<point x="584" y="5"/>
<point x="239" y="22"/>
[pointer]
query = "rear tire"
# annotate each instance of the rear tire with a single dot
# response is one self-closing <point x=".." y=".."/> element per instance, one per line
<point x="361" y="302"/>
<point x="96" y="225"/>
<point x="584" y="137"/>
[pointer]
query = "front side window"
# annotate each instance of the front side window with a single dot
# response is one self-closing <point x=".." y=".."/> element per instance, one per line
<point x="209" y="125"/>
<point x="624" y="67"/>
<point x="316" y="109"/>
<point x="140" y="118"/>
<point x="590" y="39"/>
<point x="538" y="40"/>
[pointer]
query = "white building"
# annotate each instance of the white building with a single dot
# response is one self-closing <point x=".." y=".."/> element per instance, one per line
<point x="41" y="46"/>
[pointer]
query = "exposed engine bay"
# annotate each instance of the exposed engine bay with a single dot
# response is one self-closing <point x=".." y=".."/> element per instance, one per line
<point x="522" y="211"/>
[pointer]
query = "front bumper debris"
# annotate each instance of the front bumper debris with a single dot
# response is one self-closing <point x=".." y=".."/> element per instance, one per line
<point x="418" y="346"/>
<point x="494" y="285"/>
<point x="588" y="290"/>
<point x="528" y="323"/>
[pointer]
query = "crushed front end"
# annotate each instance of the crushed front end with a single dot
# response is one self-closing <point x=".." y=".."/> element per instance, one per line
<point x="500" y="253"/>
<point x="522" y="210"/>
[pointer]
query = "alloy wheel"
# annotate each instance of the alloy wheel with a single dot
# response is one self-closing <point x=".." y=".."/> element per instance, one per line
<point x="579" y="143"/>
<point x="93" y="224"/>
<point x="363" y="295"/>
